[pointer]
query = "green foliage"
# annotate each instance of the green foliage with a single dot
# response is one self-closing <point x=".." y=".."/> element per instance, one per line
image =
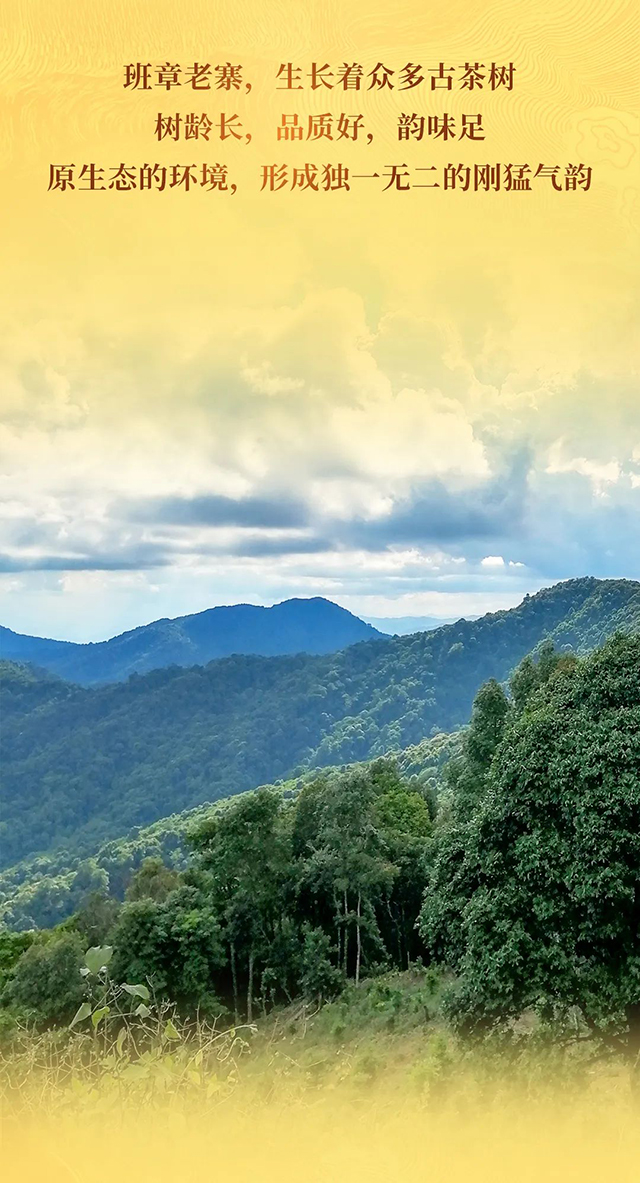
<point x="530" y="858"/>
<point x="95" y="918"/>
<point x="319" y="977"/>
<point x="42" y="891"/>
<point x="122" y="1038"/>
<point x="390" y="1004"/>
<point x="531" y="675"/>
<point x="466" y="774"/>
<point x="110" y="1004"/>
<point x="152" y="881"/>
<point x="97" y="958"/>
<point x="319" y="888"/>
<point x="286" y="896"/>
<point x="488" y="718"/>
<point x="174" y="945"/>
<point x="533" y="897"/>
<point x="46" y="984"/>
<point x="82" y="766"/>
<point x="12" y="946"/>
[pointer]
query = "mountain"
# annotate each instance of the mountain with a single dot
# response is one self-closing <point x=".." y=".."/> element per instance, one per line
<point x="81" y="765"/>
<point x="294" y="626"/>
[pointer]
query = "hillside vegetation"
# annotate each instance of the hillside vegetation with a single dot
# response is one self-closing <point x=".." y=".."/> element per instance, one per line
<point x="516" y="886"/>
<point x="42" y="891"/>
<point x="81" y="765"/>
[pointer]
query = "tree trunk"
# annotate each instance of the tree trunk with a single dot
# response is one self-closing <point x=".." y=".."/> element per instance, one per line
<point x="345" y="966"/>
<point x="250" y="990"/>
<point x="234" y="979"/>
<point x="338" y="930"/>
<point x="633" y="1042"/>
<point x="263" y="995"/>
<point x="404" y="936"/>
<point x="358" y="939"/>
<point x="398" y="928"/>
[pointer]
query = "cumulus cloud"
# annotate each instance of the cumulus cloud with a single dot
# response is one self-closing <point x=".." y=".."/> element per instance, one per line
<point x="600" y="473"/>
<point x="302" y="449"/>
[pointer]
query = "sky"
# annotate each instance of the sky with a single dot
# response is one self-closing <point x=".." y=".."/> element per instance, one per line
<point x="412" y="403"/>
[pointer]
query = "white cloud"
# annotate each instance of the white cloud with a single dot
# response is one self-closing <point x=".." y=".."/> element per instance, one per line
<point x="360" y="424"/>
<point x="413" y="434"/>
<point x="599" y="473"/>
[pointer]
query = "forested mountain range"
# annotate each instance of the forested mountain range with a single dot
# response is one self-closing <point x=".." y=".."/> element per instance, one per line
<point x="81" y="766"/>
<point x="313" y="625"/>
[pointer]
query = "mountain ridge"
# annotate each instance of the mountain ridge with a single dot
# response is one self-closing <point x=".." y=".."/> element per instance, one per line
<point x="297" y="625"/>
<point x="81" y="765"/>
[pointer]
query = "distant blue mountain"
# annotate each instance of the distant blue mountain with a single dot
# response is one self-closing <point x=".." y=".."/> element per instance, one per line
<point x="401" y="626"/>
<point x="295" y="626"/>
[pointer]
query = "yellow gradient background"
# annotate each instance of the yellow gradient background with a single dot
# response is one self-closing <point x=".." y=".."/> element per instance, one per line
<point x="382" y="1140"/>
<point x="340" y="347"/>
<point x="155" y="258"/>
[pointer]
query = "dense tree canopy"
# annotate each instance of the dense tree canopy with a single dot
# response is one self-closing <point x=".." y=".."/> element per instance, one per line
<point x="46" y="984"/>
<point x="42" y="891"/>
<point x="534" y="895"/>
<point x="282" y="897"/>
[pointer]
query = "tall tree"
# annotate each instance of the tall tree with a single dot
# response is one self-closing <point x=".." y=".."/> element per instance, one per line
<point x="175" y="944"/>
<point x="45" y="983"/>
<point x="244" y="852"/>
<point x="349" y="860"/>
<point x="534" y="900"/>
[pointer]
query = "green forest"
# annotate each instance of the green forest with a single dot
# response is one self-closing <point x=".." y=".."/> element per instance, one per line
<point x="84" y="766"/>
<point x="508" y="877"/>
<point x="43" y="890"/>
